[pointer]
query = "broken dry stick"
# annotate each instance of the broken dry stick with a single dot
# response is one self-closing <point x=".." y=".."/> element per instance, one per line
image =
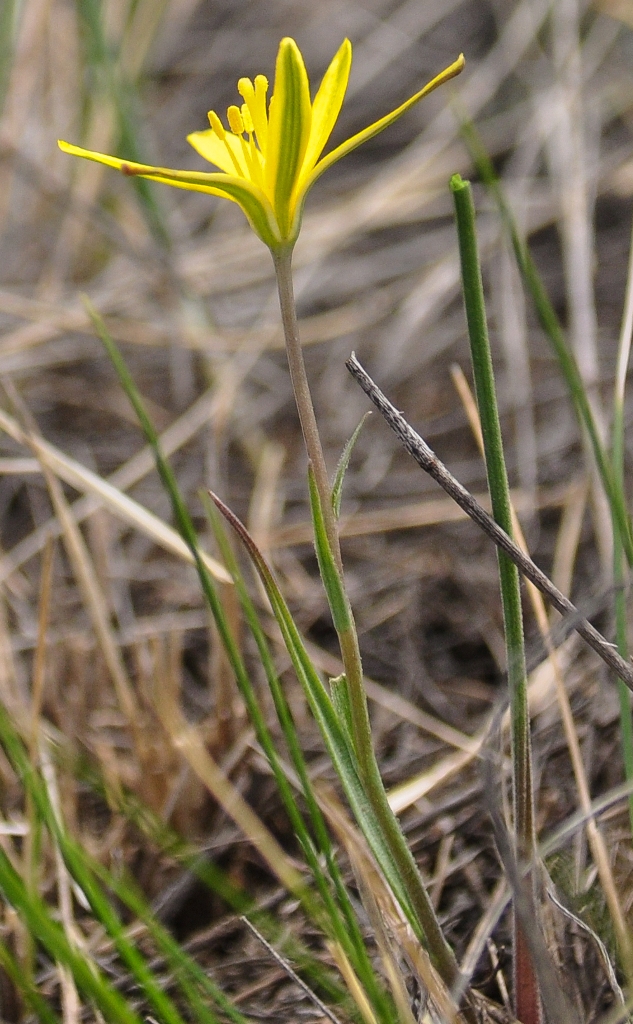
<point x="430" y="463"/>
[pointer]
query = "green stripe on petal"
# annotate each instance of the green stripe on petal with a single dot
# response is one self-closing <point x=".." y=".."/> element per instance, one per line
<point x="378" y="126"/>
<point x="288" y="130"/>
<point x="327" y="105"/>
<point x="249" y="197"/>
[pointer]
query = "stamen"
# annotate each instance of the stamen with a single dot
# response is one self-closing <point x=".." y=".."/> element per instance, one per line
<point x="218" y="128"/>
<point x="246" y="89"/>
<point x="216" y="124"/>
<point x="247" y="119"/>
<point x="260" y="115"/>
<point x="251" y="154"/>
<point x="235" y="120"/>
<point x="252" y="95"/>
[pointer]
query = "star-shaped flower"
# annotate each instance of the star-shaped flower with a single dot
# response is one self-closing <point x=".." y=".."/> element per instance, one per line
<point x="270" y="156"/>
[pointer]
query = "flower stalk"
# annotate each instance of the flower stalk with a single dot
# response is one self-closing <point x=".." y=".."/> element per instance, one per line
<point x="282" y="260"/>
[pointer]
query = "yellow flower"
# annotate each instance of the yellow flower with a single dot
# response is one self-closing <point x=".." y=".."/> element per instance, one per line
<point x="270" y="156"/>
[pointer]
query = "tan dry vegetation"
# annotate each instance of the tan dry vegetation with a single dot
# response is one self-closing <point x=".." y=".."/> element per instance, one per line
<point x="116" y="623"/>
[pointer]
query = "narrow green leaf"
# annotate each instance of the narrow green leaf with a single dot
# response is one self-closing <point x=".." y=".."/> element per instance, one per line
<point x="527" y="998"/>
<point x="199" y="864"/>
<point x="340" y="928"/>
<point x="9" y="10"/>
<point x="323" y="710"/>
<point x="123" y="95"/>
<point x="187" y="531"/>
<point x="42" y="1010"/>
<point x="341" y="700"/>
<point x="76" y="861"/>
<point x="337" y="598"/>
<point x="553" y="330"/>
<point x="87" y="976"/>
<point x="191" y="978"/>
<point x="341" y="469"/>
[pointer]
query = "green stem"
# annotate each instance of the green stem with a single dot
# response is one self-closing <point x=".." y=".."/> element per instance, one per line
<point x="369" y="771"/>
<point x="283" y="269"/>
<point x="526" y="994"/>
<point x="441" y="953"/>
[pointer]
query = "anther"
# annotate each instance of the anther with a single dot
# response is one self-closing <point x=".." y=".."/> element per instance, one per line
<point x="235" y="120"/>
<point x="216" y="124"/>
<point x="246" y="89"/>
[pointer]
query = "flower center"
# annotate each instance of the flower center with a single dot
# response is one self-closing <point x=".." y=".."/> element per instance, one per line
<point x="247" y="137"/>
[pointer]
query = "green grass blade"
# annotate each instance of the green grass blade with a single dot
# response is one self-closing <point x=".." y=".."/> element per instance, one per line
<point x="102" y="59"/>
<point x="198" y="863"/>
<point x="621" y="616"/>
<point x="76" y="861"/>
<point x="619" y="575"/>
<point x="553" y="330"/>
<point x="345" y="925"/>
<point x="527" y="999"/>
<point x="87" y="976"/>
<point x="9" y="11"/>
<point x="323" y="710"/>
<point x="39" y="1006"/>
<point x="400" y="856"/>
<point x="193" y="981"/>
<point x="165" y="838"/>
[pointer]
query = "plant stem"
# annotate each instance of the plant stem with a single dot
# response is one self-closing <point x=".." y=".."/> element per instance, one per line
<point x="526" y="995"/>
<point x="283" y="269"/>
<point x="369" y="772"/>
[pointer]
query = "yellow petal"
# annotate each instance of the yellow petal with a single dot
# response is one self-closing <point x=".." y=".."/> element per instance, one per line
<point x="213" y="149"/>
<point x="327" y="104"/>
<point x="384" y="122"/>
<point x="288" y="130"/>
<point x="249" y="197"/>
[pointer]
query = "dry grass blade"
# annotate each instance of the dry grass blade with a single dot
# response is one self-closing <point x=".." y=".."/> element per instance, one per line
<point x="70" y="998"/>
<point x="83" y="479"/>
<point x="430" y="512"/>
<point x="325" y="1010"/>
<point x="393" y="935"/>
<point x="204" y="411"/>
<point x="188" y="740"/>
<point x="432" y="465"/>
<point x="39" y="663"/>
<point x="87" y="578"/>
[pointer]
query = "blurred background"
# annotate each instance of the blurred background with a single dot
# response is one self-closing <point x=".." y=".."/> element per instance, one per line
<point x="187" y="290"/>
